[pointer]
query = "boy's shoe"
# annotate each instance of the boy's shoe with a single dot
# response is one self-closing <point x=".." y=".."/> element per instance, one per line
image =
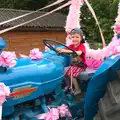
<point x="66" y="89"/>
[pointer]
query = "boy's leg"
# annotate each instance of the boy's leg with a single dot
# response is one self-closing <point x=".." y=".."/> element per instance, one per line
<point x="67" y="80"/>
<point x="67" y="83"/>
<point x="76" y="86"/>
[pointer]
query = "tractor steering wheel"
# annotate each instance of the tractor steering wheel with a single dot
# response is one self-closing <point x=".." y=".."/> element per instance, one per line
<point x="49" y="45"/>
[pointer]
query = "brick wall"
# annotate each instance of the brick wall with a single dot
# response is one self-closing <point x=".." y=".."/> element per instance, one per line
<point x="22" y="42"/>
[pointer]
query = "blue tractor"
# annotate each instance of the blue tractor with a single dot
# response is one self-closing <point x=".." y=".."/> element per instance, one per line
<point x="37" y="84"/>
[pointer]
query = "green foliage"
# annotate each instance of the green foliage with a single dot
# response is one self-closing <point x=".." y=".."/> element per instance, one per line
<point x="106" y="11"/>
<point x="23" y="4"/>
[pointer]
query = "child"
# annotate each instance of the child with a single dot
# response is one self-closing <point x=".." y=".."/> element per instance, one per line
<point x="77" y="45"/>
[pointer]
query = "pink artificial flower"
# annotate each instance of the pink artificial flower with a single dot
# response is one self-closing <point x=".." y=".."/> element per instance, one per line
<point x="35" y="54"/>
<point x="8" y="59"/>
<point x="63" y="110"/>
<point x="4" y="91"/>
<point x="53" y="114"/>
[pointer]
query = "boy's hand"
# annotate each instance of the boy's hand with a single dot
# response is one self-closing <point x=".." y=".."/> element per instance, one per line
<point x="60" y="50"/>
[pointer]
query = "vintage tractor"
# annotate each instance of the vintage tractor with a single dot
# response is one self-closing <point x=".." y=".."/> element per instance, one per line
<point x="37" y="85"/>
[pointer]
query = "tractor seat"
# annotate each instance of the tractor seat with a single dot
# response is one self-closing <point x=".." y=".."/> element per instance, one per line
<point x="86" y="75"/>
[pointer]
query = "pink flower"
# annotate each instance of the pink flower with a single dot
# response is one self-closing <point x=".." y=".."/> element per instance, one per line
<point x="8" y="59"/>
<point x="4" y="91"/>
<point x="35" y="54"/>
<point x="63" y="110"/>
<point x="53" y="114"/>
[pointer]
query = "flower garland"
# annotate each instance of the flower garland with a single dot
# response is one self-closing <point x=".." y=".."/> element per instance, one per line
<point x="56" y="113"/>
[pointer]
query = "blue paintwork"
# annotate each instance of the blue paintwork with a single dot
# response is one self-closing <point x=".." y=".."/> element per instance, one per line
<point x="45" y="74"/>
<point x="2" y="44"/>
<point x="98" y="84"/>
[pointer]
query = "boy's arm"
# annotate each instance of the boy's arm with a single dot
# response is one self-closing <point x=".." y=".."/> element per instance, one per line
<point x="78" y="52"/>
<point x="61" y="50"/>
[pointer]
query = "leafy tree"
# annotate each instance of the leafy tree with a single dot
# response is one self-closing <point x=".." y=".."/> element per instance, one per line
<point x="23" y="4"/>
<point x="106" y="11"/>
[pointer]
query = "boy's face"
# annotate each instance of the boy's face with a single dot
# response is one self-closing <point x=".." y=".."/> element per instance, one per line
<point x="76" y="39"/>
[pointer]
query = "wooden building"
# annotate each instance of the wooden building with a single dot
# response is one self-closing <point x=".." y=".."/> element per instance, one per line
<point x="30" y="35"/>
